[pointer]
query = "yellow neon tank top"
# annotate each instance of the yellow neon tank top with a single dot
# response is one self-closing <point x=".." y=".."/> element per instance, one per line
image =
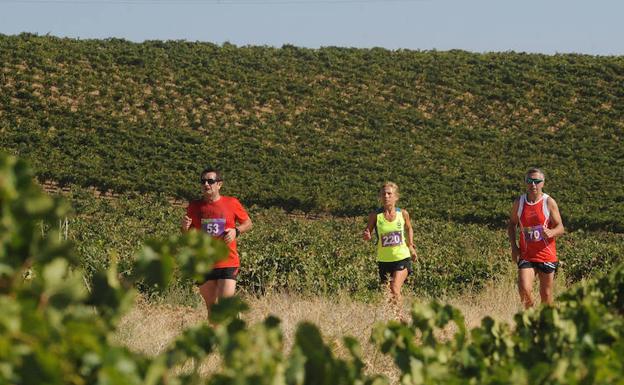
<point x="391" y="246"/>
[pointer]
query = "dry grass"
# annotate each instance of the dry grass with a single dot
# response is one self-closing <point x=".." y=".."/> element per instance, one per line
<point x="499" y="301"/>
<point x="149" y="328"/>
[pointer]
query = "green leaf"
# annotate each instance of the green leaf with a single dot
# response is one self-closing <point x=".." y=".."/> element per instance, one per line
<point x="227" y="309"/>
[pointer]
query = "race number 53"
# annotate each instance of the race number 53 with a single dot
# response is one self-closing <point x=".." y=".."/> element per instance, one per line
<point x="213" y="226"/>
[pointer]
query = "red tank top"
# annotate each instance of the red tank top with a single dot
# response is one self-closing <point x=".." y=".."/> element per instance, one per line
<point x="534" y="217"/>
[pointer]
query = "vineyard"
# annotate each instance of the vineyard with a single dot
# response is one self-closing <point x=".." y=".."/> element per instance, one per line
<point x="319" y="130"/>
<point x="305" y="137"/>
<point x="325" y="255"/>
<point x="54" y="329"/>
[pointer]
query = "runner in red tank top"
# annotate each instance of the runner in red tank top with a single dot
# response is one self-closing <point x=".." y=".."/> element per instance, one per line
<point x="537" y="216"/>
<point x="222" y="217"/>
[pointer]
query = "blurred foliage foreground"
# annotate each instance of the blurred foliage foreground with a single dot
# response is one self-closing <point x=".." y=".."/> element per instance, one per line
<point x="56" y="329"/>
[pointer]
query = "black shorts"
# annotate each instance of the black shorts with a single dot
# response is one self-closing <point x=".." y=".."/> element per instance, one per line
<point x="387" y="268"/>
<point x="222" y="273"/>
<point x="544" y="267"/>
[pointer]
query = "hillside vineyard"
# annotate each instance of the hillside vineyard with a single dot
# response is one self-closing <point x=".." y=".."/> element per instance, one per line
<point x="316" y="129"/>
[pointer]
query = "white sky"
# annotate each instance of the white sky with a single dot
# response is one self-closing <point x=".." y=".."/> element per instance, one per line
<point x="544" y="26"/>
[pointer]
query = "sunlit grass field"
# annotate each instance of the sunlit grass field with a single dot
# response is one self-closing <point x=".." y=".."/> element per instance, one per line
<point x="151" y="325"/>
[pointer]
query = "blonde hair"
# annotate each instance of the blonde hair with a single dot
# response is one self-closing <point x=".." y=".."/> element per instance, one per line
<point x="391" y="185"/>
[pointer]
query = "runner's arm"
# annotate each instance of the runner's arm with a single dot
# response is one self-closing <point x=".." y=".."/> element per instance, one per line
<point x="368" y="231"/>
<point x="187" y="220"/>
<point x="244" y="226"/>
<point x="235" y="232"/>
<point x="410" y="234"/>
<point x="511" y="230"/>
<point x="555" y="220"/>
<point x="186" y="223"/>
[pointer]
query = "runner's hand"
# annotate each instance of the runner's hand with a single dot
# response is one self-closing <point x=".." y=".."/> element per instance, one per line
<point x="366" y="235"/>
<point x="548" y="233"/>
<point x="413" y="253"/>
<point x="186" y="222"/>
<point x="229" y="235"/>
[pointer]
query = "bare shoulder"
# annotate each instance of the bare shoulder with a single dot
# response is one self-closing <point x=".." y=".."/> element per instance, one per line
<point x="552" y="203"/>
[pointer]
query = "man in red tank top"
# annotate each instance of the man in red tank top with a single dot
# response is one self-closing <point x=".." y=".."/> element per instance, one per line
<point x="222" y="217"/>
<point x="537" y="216"/>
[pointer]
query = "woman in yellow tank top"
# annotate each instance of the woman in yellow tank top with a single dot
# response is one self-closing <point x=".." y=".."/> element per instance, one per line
<point x="395" y="240"/>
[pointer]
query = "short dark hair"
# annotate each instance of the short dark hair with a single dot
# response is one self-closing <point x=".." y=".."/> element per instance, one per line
<point x="212" y="169"/>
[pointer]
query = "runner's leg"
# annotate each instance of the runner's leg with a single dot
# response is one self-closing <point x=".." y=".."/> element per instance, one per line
<point x="525" y="286"/>
<point x="209" y="292"/>
<point x="227" y="287"/>
<point x="547" y="283"/>
<point x="398" y="278"/>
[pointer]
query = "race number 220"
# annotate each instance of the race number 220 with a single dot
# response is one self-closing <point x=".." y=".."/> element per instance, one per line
<point x="391" y="239"/>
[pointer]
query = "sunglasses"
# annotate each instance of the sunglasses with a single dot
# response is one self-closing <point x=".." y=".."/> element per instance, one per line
<point x="534" y="181"/>
<point x="209" y="181"/>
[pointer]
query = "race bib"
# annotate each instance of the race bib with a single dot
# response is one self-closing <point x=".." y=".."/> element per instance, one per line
<point x="213" y="226"/>
<point x="533" y="233"/>
<point x="391" y="239"/>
